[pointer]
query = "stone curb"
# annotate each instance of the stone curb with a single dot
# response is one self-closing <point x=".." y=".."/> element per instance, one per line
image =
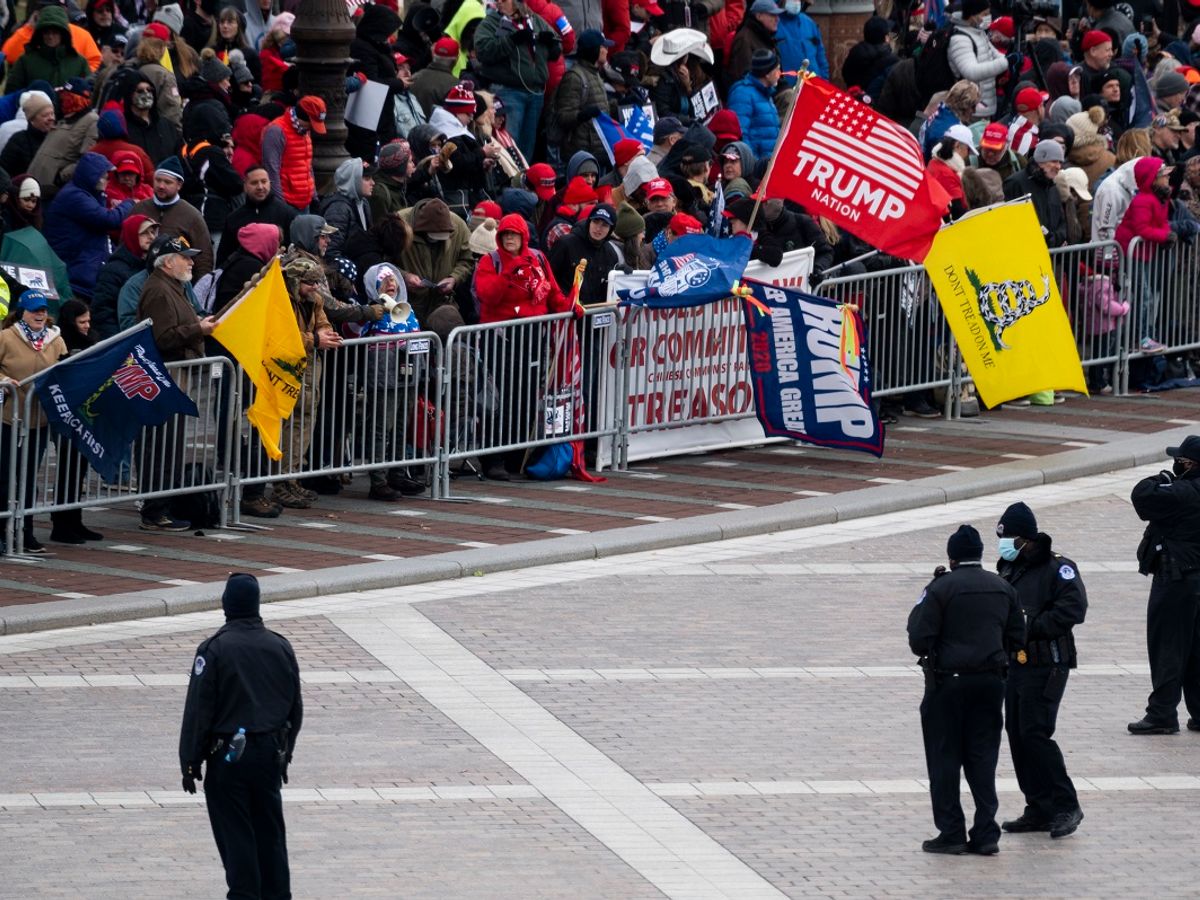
<point x="875" y="500"/>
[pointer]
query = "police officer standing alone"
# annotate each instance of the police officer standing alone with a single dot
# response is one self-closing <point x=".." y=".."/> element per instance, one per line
<point x="1053" y="599"/>
<point x="1169" y="503"/>
<point x="244" y="678"/>
<point x="963" y="628"/>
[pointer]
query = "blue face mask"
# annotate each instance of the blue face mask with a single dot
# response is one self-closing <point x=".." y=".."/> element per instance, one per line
<point x="793" y="7"/>
<point x="1008" y="549"/>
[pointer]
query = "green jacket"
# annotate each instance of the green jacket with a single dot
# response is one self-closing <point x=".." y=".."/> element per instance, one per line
<point x="389" y="196"/>
<point x="58" y="65"/>
<point x="515" y="63"/>
<point x="581" y="88"/>
<point x="435" y="261"/>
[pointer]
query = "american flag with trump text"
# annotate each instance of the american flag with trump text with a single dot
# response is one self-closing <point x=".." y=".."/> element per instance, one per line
<point x="840" y="159"/>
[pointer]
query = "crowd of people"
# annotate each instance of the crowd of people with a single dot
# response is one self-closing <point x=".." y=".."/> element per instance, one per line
<point x="164" y="154"/>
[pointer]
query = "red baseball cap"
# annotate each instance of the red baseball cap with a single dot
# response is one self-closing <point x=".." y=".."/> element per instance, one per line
<point x="578" y="193"/>
<point x="995" y="137"/>
<point x="446" y="47"/>
<point x="157" y="30"/>
<point x="312" y="110"/>
<point x="658" y="187"/>
<point x="682" y="223"/>
<point x="1030" y="98"/>
<point x="541" y="178"/>
<point x="488" y="209"/>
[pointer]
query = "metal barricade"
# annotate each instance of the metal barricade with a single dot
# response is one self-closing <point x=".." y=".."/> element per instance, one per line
<point x="10" y="435"/>
<point x="371" y="405"/>
<point x="181" y="456"/>
<point x="514" y="386"/>
<point x="908" y="341"/>
<point x="1164" y="319"/>
<point x="1090" y="279"/>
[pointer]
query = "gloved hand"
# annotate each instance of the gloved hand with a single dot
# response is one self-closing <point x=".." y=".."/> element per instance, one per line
<point x="283" y="772"/>
<point x="625" y="269"/>
<point x="374" y="312"/>
<point x="522" y="36"/>
<point x="772" y="256"/>
<point x="191" y="774"/>
<point x="547" y="38"/>
<point x="1166" y="476"/>
<point x="1014" y="59"/>
<point x="1172" y="237"/>
<point x="815" y="278"/>
<point x="589" y="112"/>
<point x="940" y="571"/>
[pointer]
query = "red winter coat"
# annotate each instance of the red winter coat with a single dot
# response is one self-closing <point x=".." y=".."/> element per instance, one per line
<point x="615" y="14"/>
<point x="523" y="285"/>
<point x="1146" y="216"/>
<point x="723" y="24"/>
<point x="554" y="17"/>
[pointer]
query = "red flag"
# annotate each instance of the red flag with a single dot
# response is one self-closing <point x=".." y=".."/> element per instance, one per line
<point x="840" y="159"/>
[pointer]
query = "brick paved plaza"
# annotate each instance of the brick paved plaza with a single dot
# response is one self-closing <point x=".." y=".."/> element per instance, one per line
<point x="736" y="719"/>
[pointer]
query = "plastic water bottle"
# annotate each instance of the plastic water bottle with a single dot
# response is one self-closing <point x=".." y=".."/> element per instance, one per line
<point x="237" y="745"/>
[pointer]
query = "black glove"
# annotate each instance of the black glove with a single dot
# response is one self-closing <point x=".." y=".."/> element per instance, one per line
<point x="1014" y="60"/>
<point x="522" y="36"/>
<point x="589" y="112"/>
<point x="772" y="256"/>
<point x="546" y="37"/>
<point x="286" y="763"/>
<point x="815" y="277"/>
<point x="191" y="774"/>
<point x="625" y="269"/>
<point x="1166" y="476"/>
<point x="940" y="571"/>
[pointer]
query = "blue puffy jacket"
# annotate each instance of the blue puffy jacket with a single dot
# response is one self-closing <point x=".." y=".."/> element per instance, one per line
<point x="799" y="39"/>
<point x="750" y="100"/>
<point x="78" y="223"/>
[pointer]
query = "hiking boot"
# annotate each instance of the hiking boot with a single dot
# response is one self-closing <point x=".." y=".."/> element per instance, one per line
<point x="259" y="507"/>
<point x="383" y="491"/>
<point x="991" y="848"/>
<point x="943" y="844"/>
<point x="301" y="491"/>
<point x="409" y="487"/>
<point x="164" y="523"/>
<point x="1193" y="725"/>
<point x="1066" y="823"/>
<point x="1145" y="726"/>
<point x="87" y="534"/>
<point x="65" y="535"/>
<point x="286" y="495"/>
<point x="1025" y="823"/>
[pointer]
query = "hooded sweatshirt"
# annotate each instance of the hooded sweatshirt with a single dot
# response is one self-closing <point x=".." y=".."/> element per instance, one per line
<point x="78" y="223"/>
<point x="1111" y="199"/>
<point x="749" y="161"/>
<point x="516" y="285"/>
<point x="346" y="209"/>
<point x="1146" y="217"/>
<point x="260" y="240"/>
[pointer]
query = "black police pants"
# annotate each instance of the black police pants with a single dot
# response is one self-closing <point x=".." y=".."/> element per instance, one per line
<point x="1031" y="704"/>
<point x="961" y="720"/>
<point x="1173" y="638"/>
<point x="246" y="813"/>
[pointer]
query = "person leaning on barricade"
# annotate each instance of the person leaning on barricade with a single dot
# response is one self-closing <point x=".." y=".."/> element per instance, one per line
<point x="515" y="283"/>
<point x="179" y="335"/>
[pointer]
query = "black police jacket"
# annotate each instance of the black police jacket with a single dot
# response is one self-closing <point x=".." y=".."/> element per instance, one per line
<point x="1171" y="507"/>
<point x="1052" y="597"/>
<point x="244" y="676"/>
<point x="967" y="620"/>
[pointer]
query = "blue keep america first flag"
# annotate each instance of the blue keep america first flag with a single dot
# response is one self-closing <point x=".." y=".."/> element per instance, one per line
<point x="103" y="398"/>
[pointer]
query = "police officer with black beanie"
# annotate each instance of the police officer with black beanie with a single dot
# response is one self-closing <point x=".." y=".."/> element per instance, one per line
<point x="964" y="627"/>
<point x="1054" y="601"/>
<point x="1169" y="504"/>
<point x="243" y="677"/>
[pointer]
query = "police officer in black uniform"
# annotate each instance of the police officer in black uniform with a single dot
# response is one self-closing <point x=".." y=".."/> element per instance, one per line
<point x="963" y="628"/>
<point x="1169" y="503"/>
<point x="1053" y="600"/>
<point x="244" y="677"/>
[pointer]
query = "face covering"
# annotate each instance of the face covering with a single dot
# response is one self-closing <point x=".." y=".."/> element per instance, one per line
<point x="1008" y="549"/>
<point x="793" y="7"/>
<point x="143" y="100"/>
<point x="985" y="22"/>
<point x="1179" y="467"/>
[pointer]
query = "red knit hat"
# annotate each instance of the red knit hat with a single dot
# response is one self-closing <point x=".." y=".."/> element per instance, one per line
<point x="1095" y="38"/>
<point x="578" y="192"/>
<point x="626" y="149"/>
<point x="460" y="99"/>
<point x="725" y="125"/>
<point x="488" y="209"/>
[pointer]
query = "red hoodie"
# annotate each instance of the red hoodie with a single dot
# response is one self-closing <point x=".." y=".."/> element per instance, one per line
<point x="116" y="192"/>
<point x="1146" y="216"/>
<point x="522" y="286"/>
<point x="247" y="141"/>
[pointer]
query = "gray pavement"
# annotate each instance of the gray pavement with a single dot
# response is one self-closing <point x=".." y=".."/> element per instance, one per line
<point x="729" y="719"/>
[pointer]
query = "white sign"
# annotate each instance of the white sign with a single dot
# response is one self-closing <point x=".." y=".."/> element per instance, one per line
<point x="690" y="364"/>
<point x="365" y="106"/>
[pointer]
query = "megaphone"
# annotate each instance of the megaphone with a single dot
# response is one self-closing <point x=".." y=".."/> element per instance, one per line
<point x="397" y="310"/>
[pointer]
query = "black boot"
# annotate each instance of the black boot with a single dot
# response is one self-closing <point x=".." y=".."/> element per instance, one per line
<point x="65" y="528"/>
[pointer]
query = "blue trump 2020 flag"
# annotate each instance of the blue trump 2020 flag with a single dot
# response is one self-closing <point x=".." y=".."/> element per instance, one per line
<point x="101" y="400"/>
<point x="808" y="365"/>
<point x="693" y="270"/>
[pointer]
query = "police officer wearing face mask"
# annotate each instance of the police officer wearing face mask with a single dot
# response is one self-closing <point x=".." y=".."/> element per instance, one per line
<point x="246" y="678"/>
<point x="964" y="627"/>
<point x="1053" y="600"/>
<point x="1169" y="504"/>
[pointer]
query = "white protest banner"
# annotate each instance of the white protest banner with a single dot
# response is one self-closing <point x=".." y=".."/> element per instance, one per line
<point x="689" y="365"/>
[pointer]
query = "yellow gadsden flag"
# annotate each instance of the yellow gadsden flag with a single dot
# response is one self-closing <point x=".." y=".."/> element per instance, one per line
<point x="260" y="331"/>
<point x="992" y="274"/>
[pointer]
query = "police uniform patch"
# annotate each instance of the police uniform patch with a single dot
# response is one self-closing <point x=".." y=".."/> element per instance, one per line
<point x="922" y="597"/>
<point x="1066" y="573"/>
<point x="198" y="668"/>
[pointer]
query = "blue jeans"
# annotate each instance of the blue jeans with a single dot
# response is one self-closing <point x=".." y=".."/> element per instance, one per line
<point x="1147" y="276"/>
<point x="524" y="111"/>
